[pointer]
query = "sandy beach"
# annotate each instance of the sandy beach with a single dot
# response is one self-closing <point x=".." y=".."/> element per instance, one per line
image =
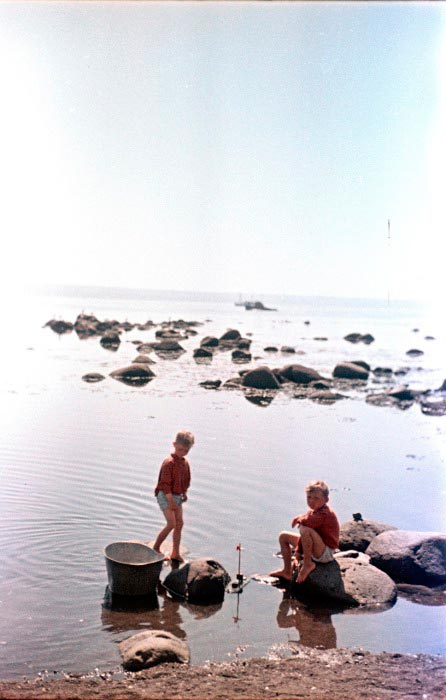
<point x="319" y="675"/>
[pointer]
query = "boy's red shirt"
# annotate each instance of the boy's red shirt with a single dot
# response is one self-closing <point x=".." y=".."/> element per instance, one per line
<point x="174" y="476"/>
<point x="326" y="524"/>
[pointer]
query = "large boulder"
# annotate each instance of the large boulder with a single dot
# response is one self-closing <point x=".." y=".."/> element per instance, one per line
<point x="357" y="534"/>
<point x="152" y="647"/>
<point x="300" y="374"/>
<point x="410" y="557"/>
<point x="350" y="370"/>
<point x="260" y="378"/>
<point x="142" y="359"/>
<point x="348" y="580"/>
<point x="201" y="581"/>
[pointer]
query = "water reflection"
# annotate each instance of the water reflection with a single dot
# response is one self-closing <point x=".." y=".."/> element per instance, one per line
<point x="259" y="399"/>
<point x="315" y="627"/>
<point x="160" y="611"/>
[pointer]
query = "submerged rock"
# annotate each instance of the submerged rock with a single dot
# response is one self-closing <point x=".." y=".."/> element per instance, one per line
<point x="142" y="359"/>
<point x="152" y="647"/>
<point x="325" y="396"/>
<point x="367" y="338"/>
<point x="211" y="383"/>
<point x="93" y="377"/>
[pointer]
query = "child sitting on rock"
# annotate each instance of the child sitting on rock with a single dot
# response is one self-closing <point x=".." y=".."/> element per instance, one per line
<point x="171" y="492"/>
<point x="318" y="538"/>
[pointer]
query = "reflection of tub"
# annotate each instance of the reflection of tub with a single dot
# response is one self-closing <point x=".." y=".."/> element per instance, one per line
<point x="133" y="568"/>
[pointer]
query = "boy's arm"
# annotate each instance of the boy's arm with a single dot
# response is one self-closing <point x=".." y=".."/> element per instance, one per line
<point x="296" y="520"/>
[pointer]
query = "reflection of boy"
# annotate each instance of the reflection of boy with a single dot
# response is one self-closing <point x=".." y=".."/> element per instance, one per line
<point x="318" y="538"/>
<point x="314" y="626"/>
<point x="171" y="491"/>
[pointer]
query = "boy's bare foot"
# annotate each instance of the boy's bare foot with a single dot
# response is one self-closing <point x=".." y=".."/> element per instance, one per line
<point x="281" y="573"/>
<point x="305" y="571"/>
<point x="176" y="557"/>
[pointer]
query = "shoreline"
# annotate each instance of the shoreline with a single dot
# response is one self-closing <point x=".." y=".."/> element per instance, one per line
<point x="335" y="674"/>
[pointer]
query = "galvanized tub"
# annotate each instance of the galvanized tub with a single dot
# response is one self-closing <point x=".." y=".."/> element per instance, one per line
<point x="133" y="568"/>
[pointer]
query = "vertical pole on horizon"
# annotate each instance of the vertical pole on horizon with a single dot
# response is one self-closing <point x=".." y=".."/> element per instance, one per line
<point x="388" y="262"/>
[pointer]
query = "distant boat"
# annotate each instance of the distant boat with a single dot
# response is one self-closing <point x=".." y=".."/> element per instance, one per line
<point x="240" y="301"/>
<point x="257" y="305"/>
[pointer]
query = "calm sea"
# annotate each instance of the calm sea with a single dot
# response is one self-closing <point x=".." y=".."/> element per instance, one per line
<point x="79" y="463"/>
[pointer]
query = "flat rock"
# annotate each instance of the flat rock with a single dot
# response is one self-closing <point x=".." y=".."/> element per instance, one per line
<point x="93" y="377"/>
<point x="410" y="557"/>
<point x="152" y="647"/>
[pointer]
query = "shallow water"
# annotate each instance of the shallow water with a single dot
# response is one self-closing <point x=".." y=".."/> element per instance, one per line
<point x="79" y="463"/>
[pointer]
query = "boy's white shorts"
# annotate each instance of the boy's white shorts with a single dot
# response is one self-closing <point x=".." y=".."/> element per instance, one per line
<point x="326" y="556"/>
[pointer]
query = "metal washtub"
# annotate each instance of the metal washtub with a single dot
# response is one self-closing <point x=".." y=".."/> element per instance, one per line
<point x="133" y="568"/>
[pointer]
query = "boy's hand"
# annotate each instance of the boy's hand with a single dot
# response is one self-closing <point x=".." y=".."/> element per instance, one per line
<point x="295" y="521"/>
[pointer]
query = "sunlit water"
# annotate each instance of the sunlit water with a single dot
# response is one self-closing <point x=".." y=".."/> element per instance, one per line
<point x="79" y="463"/>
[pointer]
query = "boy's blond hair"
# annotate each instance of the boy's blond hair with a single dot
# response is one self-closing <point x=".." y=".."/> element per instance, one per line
<point x="185" y="437"/>
<point x="318" y="486"/>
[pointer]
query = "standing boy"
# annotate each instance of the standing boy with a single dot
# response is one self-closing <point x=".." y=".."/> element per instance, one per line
<point x="171" y="492"/>
<point x="318" y="538"/>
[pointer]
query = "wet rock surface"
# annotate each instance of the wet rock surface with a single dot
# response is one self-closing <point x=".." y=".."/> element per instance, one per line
<point x="346" y="376"/>
<point x="152" y="647"/>
<point x="201" y="581"/>
<point x="349" y="580"/>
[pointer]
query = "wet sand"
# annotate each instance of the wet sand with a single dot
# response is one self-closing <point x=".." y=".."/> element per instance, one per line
<point x="309" y="673"/>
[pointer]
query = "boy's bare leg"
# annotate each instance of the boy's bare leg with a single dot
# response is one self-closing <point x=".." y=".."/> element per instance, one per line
<point x="169" y="514"/>
<point x="177" y="535"/>
<point x="312" y="544"/>
<point x="288" y="541"/>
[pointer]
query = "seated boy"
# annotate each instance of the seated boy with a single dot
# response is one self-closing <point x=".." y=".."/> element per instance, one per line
<point x="318" y="538"/>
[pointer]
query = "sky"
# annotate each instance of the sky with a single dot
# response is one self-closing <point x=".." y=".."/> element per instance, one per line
<point x="230" y="147"/>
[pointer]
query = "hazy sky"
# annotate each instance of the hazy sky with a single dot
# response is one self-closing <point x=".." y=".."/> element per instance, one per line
<point x="224" y="146"/>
